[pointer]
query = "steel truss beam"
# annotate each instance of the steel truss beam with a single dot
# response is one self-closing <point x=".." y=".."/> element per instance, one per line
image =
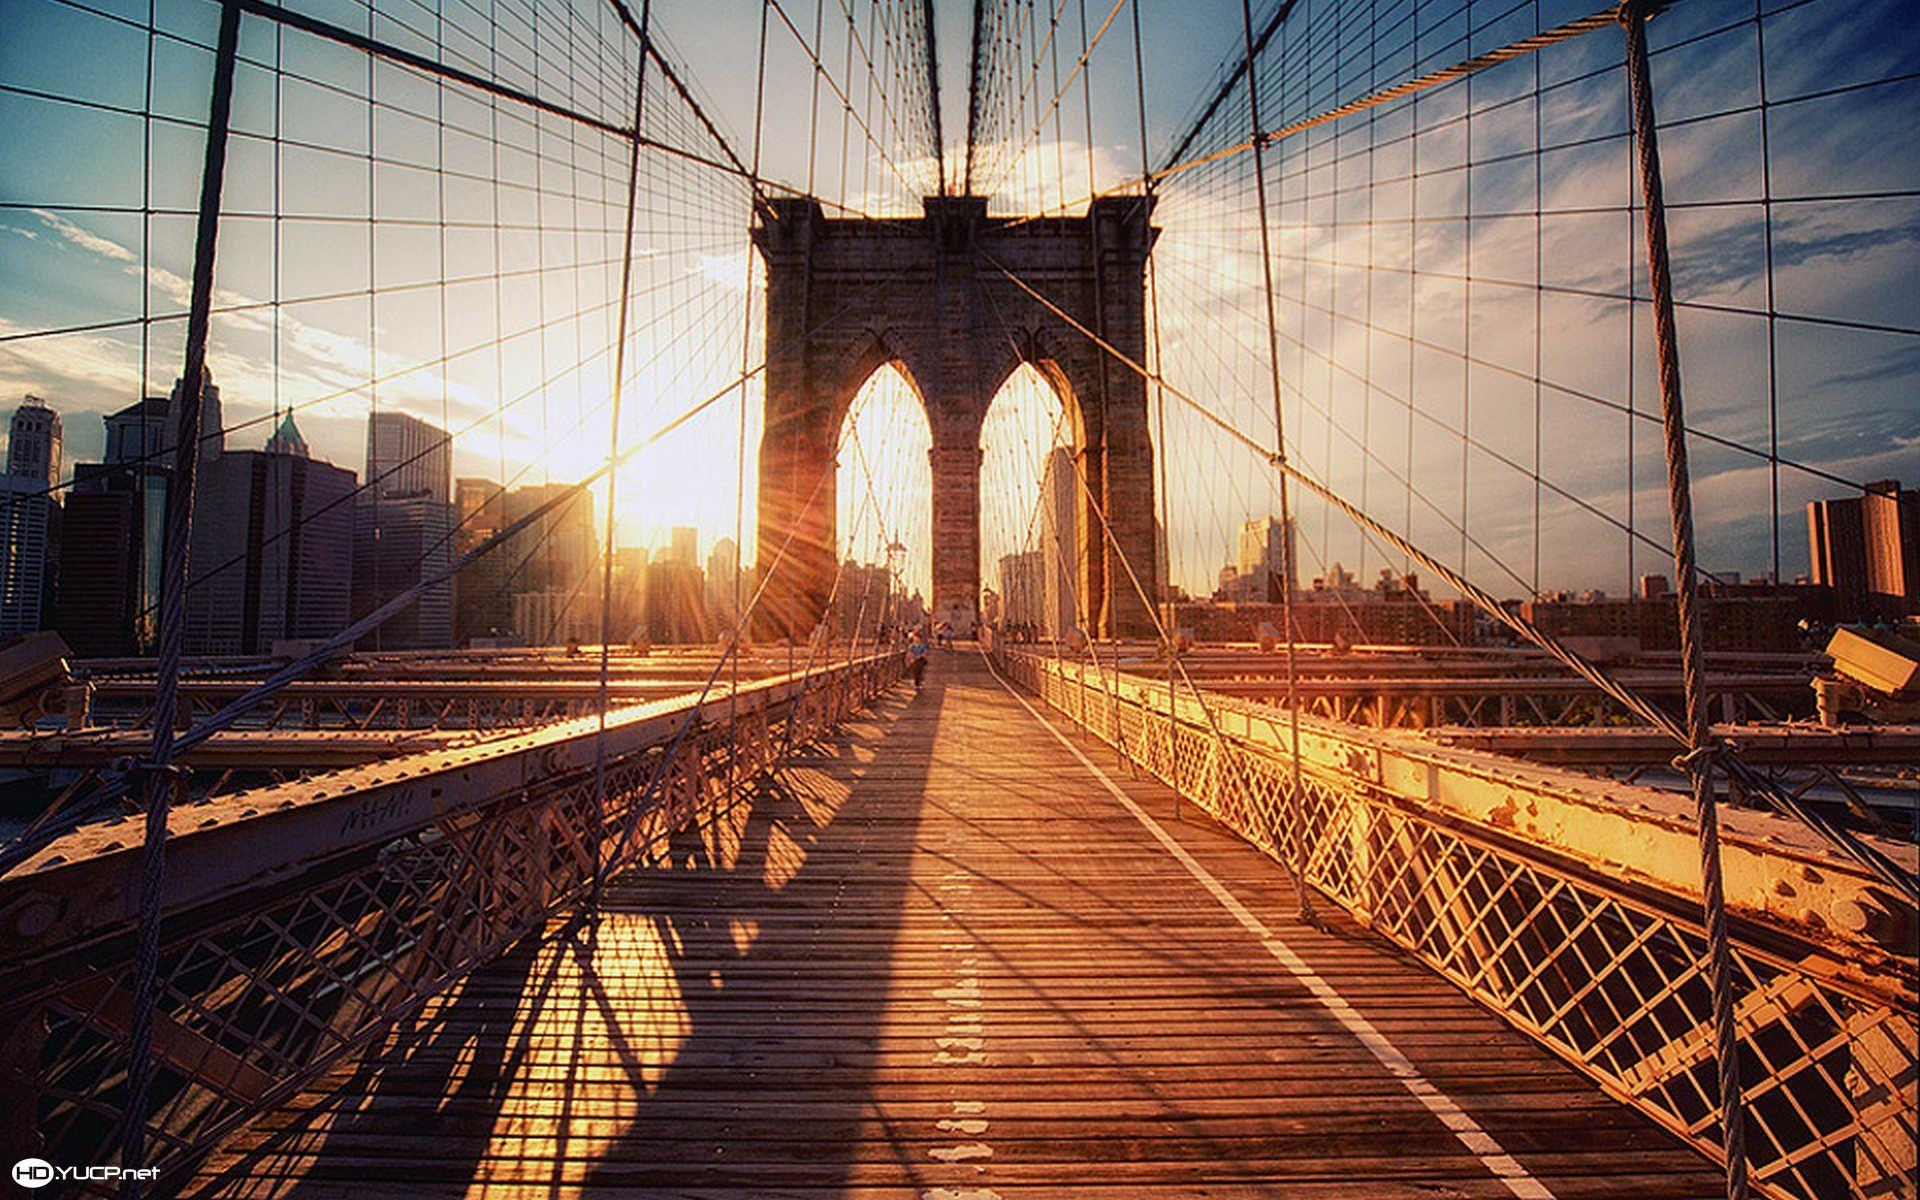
<point x="302" y="920"/>
<point x="1569" y="906"/>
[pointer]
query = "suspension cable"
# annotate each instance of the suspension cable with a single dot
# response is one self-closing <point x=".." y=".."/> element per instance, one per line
<point x="1296" y="797"/>
<point x="1841" y="838"/>
<point x="1701" y="749"/>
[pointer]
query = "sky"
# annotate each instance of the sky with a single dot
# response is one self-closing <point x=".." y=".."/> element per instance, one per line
<point x="458" y="258"/>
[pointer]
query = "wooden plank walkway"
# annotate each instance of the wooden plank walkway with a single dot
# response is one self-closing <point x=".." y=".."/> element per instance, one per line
<point x="943" y="960"/>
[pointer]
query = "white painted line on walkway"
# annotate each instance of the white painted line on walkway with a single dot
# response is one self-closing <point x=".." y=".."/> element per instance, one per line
<point x="1478" y="1141"/>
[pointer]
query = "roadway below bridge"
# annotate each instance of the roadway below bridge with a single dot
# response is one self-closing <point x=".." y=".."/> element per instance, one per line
<point x="956" y="952"/>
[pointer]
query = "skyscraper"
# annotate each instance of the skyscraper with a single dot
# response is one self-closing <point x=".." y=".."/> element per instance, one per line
<point x="1059" y="543"/>
<point x="1867" y="549"/>
<point x="551" y="564"/>
<point x="142" y="434"/>
<point x="684" y="545"/>
<point x="1836" y="544"/>
<point x="1263" y="556"/>
<point x="408" y="457"/>
<point x="399" y="542"/>
<point x="97" y="591"/>
<point x="1023" y="588"/>
<point x="33" y="442"/>
<point x="29" y="519"/>
<point x="481" y="604"/>
<point x="403" y="531"/>
<point x="1892" y="519"/>
<point x="108" y="591"/>
<point x="272" y="550"/>
<point x="676" y="603"/>
<point x="723" y="571"/>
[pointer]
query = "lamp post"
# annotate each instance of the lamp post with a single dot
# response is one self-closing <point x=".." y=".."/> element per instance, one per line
<point x="896" y="551"/>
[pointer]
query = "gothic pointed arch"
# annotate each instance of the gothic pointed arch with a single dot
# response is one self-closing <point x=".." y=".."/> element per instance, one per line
<point x="934" y="296"/>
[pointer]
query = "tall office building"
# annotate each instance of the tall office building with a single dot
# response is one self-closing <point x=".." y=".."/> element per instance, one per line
<point x="1891" y="517"/>
<point x="723" y="576"/>
<point x="676" y="603"/>
<point x="29" y="529"/>
<point x="479" y="505"/>
<point x="1023" y="589"/>
<point x="142" y="434"/>
<point x="29" y="519"/>
<point x="403" y="532"/>
<point x="400" y="542"/>
<point x="1867" y="549"/>
<point x="482" y="607"/>
<point x="108" y="586"/>
<point x="33" y="443"/>
<point x="1263" y="556"/>
<point x="629" y="607"/>
<point x="272" y="551"/>
<point x="683" y="546"/>
<point x="1836" y="544"/>
<point x="551" y="563"/>
<point x="97" y="592"/>
<point x="1059" y="543"/>
<point x="408" y="457"/>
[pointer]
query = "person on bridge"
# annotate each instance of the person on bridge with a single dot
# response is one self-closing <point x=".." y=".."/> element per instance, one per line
<point x="917" y="660"/>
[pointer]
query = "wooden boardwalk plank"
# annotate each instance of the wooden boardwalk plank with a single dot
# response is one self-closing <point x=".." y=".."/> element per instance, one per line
<point x="939" y="960"/>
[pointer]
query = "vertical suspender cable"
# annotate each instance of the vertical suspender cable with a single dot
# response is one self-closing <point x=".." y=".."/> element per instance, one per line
<point x="1699" y="758"/>
<point x="613" y="454"/>
<point x="1163" y="539"/>
<point x="1296" y="796"/>
<point x="739" y="631"/>
<point x="975" y="96"/>
<point x="933" y="96"/>
<point x="818" y="55"/>
<point x="164" y="781"/>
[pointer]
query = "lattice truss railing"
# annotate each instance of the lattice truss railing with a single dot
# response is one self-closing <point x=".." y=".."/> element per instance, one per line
<point x="1515" y="705"/>
<point x="314" y="709"/>
<point x="362" y="709"/>
<point x="1609" y="976"/>
<point x="424" y="868"/>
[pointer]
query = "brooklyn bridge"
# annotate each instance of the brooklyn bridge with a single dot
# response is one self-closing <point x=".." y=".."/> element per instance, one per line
<point x="964" y="831"/>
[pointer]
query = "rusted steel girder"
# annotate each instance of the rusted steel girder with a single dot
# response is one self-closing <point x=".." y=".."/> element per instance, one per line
<point x="278" y="749"/>
<point x="82" y="887"/>
<point x="1777" y="744"/>
<point x="302" y="919"/>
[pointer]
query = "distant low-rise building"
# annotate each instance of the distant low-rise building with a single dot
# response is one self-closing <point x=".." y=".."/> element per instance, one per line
<point x="1428" y="623"/>
<point x="1735" y="618"/>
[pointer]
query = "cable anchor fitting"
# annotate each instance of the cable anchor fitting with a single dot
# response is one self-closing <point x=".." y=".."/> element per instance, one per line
<point x="1708" y="755"/>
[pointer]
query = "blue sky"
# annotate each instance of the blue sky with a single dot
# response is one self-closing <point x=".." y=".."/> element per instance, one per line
<point x="1805" y="207"/>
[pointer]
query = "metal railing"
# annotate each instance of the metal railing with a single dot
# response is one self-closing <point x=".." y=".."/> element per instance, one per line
<point x="302" y="920"/>
<point x="1570" y="907"/>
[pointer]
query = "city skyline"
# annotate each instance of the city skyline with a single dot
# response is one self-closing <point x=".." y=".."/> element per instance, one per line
<point x="287" y="547"/>
<point x="1793" y="324"/>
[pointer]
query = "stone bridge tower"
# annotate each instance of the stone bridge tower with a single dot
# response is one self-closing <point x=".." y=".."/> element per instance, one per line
<point x="932" y="296"/>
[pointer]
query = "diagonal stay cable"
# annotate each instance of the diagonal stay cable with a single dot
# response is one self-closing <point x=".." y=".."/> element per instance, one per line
<point x="1177" y="164"/>
<point x="1841" y="838"/>
<point x="20" y="849"/>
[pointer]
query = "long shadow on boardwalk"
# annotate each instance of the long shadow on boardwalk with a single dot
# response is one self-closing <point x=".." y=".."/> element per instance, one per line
<point x="715" y="1028"/>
